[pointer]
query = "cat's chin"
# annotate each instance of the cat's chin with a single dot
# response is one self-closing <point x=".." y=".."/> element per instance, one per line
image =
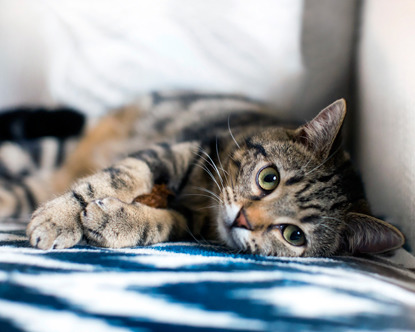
<point x="234" y="238"/>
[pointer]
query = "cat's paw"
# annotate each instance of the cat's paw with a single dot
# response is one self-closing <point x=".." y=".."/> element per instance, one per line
<point x="109" y="222"/>
<point x="56" y="225"/>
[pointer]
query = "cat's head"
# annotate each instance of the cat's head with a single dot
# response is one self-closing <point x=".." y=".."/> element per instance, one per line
<point x="294" y="192"/>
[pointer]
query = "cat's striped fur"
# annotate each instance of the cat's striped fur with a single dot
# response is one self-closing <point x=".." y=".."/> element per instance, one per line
<point x="219" y="155"/>
<point x="26" y="173"/>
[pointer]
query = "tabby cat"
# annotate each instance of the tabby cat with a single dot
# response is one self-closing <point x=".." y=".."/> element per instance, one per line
<point x="233" y="174"/>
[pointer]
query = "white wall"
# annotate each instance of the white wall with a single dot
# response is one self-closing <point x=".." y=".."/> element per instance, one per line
<point x="99" y="54"/>
<point x="387" y="110"/>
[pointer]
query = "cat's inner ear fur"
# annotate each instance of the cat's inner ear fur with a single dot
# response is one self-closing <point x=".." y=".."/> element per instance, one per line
<point x="367" y="234"/>
<point x="322" y="134"/>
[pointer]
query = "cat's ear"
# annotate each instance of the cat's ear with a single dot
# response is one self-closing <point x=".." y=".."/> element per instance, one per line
<point x="367" y="234"/>
<point x="322" y="134"/>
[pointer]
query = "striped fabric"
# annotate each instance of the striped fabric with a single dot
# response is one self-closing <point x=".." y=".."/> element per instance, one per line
<point x="197" y="287"/>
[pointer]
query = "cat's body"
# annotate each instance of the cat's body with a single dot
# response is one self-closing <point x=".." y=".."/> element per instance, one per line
<point x="236" y="176"/>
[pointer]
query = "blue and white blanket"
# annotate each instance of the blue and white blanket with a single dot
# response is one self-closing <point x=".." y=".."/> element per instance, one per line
<point x="197" y="287"/>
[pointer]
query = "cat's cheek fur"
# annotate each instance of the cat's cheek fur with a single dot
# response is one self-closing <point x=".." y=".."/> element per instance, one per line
<point x="225" y="217"/>
<point x="242" y="238"/>
<point x="223" y="227"/>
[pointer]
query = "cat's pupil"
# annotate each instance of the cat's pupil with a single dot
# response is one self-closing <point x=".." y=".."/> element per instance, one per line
<point x="270" y="178"/>
<point x="295" y="236"/>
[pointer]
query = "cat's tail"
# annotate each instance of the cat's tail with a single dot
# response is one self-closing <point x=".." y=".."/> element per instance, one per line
<point x="26" y="170"/>
<point x="34" y="170"/>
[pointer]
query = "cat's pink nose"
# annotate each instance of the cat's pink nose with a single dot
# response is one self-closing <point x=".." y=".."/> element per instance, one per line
<point x="242" y="221"/>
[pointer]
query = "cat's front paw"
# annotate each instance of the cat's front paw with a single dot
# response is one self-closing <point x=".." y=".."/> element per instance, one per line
<point x="109" y="222"/>
<point x="56" y="225"/>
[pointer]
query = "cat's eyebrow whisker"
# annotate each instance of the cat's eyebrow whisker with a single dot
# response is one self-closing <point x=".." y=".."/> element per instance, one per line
<point x="308" y="162"/>
<point x="326" y="160"/>
<point x="328" y="226"/>
<point x="333" y="218"/>
<point x="230" y="131"/>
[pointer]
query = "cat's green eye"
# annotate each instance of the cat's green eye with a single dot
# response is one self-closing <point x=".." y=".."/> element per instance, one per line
<point x="293" y="235"/>
<point x="268" y="178"/>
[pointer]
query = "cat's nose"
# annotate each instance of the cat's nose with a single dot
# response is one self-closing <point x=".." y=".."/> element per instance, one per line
<point x="242" y="221"/>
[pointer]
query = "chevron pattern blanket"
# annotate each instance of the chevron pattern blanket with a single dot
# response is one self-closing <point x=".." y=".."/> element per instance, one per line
<point x="197" y="287"/>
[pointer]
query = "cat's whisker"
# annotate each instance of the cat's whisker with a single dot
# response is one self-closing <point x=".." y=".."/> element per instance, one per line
<point x="218" y="155"/>
<point x="203" y="195"/>
<point x="212" y="163"/>
<point x="327" y="226"/>
<point x="213" y="194"/>
<point x="230" y="131"/>
<point x="326" y="160"/>
<point x="188" y="231"/>
<point x="210" y="174"/>
<point x="225" y="173"/>
<point x="229" y="176"/>
<point x="333" y="218"/>
<point x="308" y="162"/>
<point x="208" y="207"/>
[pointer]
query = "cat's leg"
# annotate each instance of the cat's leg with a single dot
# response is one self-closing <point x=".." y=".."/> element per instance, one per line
<point x="113" y="223"/>
<point x="59" y="223"/>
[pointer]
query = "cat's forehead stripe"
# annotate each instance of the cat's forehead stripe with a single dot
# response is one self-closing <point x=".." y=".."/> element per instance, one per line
<point x="294" y="180"/>
<point x="310" y="219"/>
<point x="256" y="146"/>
